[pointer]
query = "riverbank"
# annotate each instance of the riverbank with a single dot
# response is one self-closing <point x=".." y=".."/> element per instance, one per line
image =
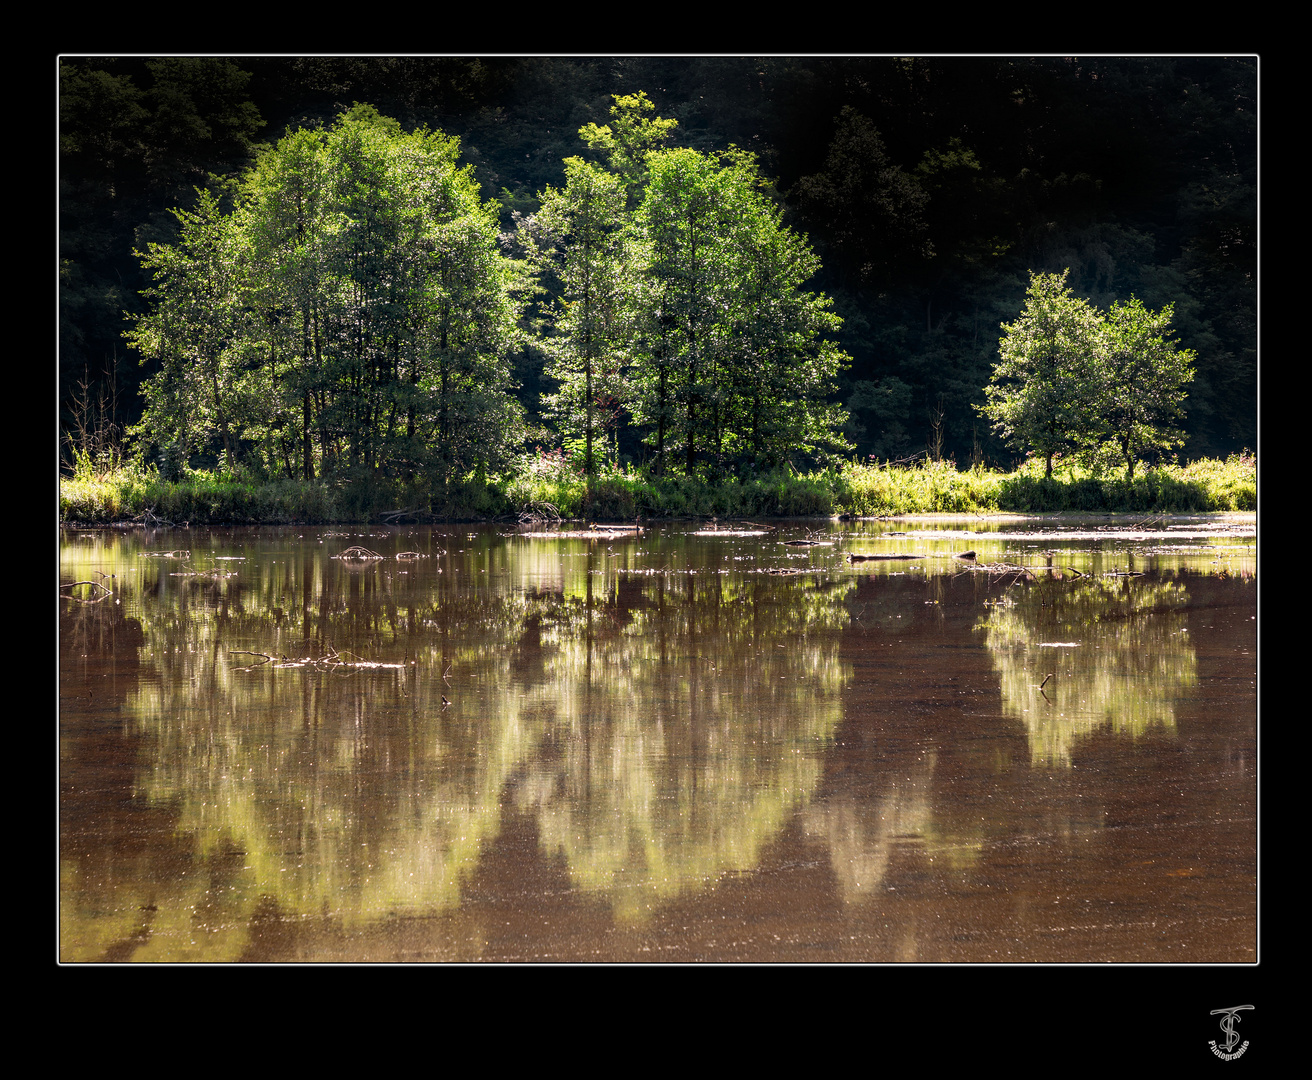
<point x="554" y="491"/>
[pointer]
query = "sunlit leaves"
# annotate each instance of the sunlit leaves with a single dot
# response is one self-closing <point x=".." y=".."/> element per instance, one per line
<point x="366" y="296"/>
<point x="731" y="363"/>
<point x="1073" y="379"/>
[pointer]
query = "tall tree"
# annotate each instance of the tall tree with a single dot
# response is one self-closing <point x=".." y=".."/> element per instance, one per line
<point x="1042" y="394"/>
<point x="372" y="299"/>
<point x="580" y="236"/>
<point x="1142" y="380"/>
<point x="731" y="360"/>
<point x="194" y="331"/>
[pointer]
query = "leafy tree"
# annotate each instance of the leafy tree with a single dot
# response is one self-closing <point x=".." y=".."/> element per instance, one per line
<point x="1142" y="381"/>
<point x="731" y="360"/>
<point x="1042" y="394"/>
<point x="285" y="215"/>
<point x="193" y="331"/>
<point x="629" y="137"/>
<point x="579" y="237"/>
<point x="360" y="285"/>
<point x="1072" y="378"/>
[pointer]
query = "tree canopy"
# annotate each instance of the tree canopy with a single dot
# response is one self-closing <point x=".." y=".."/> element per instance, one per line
<point x="354" y="311"/>
<point x="1071" y="378"/>
<point x="929" y="186"/>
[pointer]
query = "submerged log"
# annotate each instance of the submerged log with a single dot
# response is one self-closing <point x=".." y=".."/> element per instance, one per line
<point x="874" y="558"/>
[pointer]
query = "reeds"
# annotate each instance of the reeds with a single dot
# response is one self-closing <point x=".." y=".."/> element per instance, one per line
<point x="861" y="490"/>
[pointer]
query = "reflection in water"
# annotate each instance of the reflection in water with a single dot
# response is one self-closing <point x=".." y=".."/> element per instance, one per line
<point x="648" y="723"/>
<point x="1076" y="656"/>
<point x="688" y="735"/>
<point x="863" y="836"/>
<point x="661" y="729"/>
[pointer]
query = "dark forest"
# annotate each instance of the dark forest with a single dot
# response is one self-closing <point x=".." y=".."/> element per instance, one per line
<point x="930" y="188"/>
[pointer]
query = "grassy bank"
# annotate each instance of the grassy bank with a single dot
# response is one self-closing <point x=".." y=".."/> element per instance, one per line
<point x="550" y="488"/>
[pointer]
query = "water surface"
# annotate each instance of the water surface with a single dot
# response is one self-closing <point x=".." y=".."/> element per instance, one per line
<point x="669" y="746"/>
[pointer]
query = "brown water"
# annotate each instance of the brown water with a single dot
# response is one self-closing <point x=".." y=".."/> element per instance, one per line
<point x="668" y="747"/>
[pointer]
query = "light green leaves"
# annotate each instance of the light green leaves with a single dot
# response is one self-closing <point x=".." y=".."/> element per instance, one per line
<point x="1070" y="378"/>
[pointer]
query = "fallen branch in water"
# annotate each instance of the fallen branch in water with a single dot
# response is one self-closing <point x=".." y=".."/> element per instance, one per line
<point x="147" y="517"/>
<point x="538" y="510"/>
<point x="332" y="660"/>
<point x="360" y="554"/>
<point x="105" y="591"/>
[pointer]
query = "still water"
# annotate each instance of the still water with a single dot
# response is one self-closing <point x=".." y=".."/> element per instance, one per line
<point x="683" y="745"/>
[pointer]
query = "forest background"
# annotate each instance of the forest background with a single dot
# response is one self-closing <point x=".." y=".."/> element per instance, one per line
<point x="930" y="188"/>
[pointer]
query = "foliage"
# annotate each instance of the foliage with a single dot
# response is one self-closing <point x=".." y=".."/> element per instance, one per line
<point x="192" y="332"/>
<point x="1141" y="382"/>
<point x="1138" y="173"/>
<point x="352" y="315"/>
<point x="1073" y="379"/>
<point x="578" y="238"/>
<point x="732" y="366"/>
<point x="1042" y="394"/>
<point x="871" y="210"/>
<point x="629" y="137"/>
<point x="623" y="493"/>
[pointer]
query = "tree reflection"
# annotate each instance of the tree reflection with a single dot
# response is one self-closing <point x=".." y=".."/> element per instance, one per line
<point x="660" y="729"/>
<point x="1117" y="650"/>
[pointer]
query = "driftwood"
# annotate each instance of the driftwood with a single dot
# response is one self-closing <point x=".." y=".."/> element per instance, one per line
<point x="331" y="660"/>
<point x="105" y="591"/>
<point x="362" y="554"/>
<point x="213" y="574"/>
<point x="874" y="558"/>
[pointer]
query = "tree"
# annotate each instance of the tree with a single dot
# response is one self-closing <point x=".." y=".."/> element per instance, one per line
<point x="1073" y="378"/>
<point x="1142" y="381"/>
<point x="194" y="331"/>
<point x="579" y="236"/>
<point x="1042" y="394"/>
<point x="360" y="285"/>
<point x="629" y="137"/>
<point x="731" y="361"/>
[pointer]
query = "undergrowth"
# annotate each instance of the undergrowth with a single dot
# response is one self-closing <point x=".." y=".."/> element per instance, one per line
<point x="548" y="486"/>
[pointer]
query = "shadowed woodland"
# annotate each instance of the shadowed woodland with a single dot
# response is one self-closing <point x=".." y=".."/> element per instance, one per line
<point x="919" y="194"/>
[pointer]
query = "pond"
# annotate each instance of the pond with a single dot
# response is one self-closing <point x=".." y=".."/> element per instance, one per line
<point x="688" y="743"/>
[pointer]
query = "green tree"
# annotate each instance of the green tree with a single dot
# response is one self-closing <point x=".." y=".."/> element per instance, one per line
<point x="579" y="236"/>
<point x="360" y="285"/>
<point x="1043" y="392"/>
<point x="731" y="362"/>
<point x="194" y="331"/>
<point x="1142" y="380"/>
<point x="1073" y="378"/>
<point x="285" y="217"/>
<point x="629" y="137"/>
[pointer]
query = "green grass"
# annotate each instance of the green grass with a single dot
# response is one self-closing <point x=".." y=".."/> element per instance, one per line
<point x="548" y="485"/>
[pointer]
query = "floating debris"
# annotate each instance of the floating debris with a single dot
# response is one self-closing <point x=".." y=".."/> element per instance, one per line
<point x="357" y="554"/>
